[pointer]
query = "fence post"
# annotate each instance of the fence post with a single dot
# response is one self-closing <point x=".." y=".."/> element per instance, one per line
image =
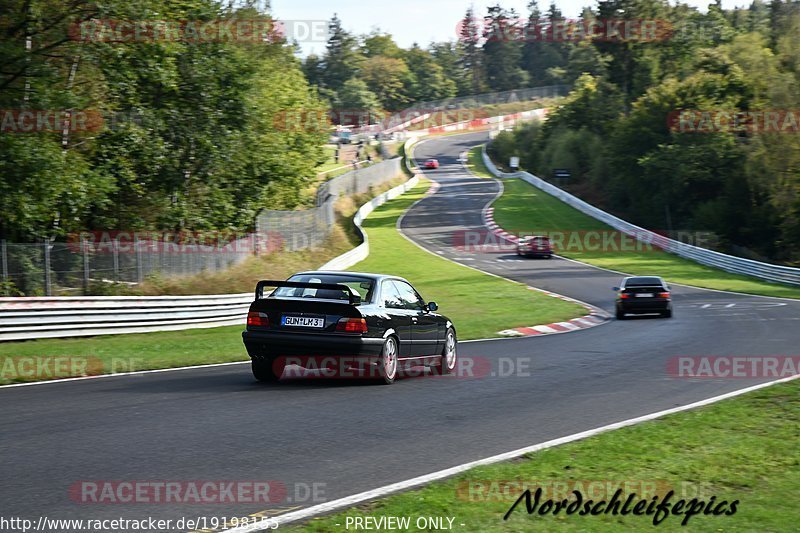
<point x="47" y="287"/>
<point x="4" y="253"/>
<point x="115" y="251"/>
<point x="85" y="253"/>
<point x="137" y="245"/>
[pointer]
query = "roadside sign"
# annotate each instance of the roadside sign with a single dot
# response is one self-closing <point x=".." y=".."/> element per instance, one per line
<point x="514" y="163"/>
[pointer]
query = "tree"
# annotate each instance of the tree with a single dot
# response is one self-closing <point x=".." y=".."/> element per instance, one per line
<point x="356" y="95"/>
<point x="380" y="44"/>
<point x="387" y="77"/>
<point x="471" y="58"/>
<point x="502" y="51"/>
<point x="342" y="56"/>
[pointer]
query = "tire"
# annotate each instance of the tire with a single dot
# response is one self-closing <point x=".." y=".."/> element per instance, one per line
<point x="667" y="314"/>
<point x="388" y="365"/>
<point x="620" y="315"/>
<point x="267" y="371"/>
<point x="449" y="360"/>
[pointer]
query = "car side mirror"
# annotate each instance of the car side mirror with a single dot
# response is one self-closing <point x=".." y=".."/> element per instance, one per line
<point x="615" y="289"/>
<point x="432" y="306"/>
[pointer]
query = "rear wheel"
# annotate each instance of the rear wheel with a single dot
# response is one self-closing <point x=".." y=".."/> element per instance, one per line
<point x="267" y="371"/>
<point x="620" y="315"/>
<point x="387" y="365"/>
<point x="667" y="313"/>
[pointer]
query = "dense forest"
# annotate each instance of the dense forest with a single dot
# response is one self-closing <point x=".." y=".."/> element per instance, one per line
<point x="191" y="137"/>
<point x="620" y="134"/>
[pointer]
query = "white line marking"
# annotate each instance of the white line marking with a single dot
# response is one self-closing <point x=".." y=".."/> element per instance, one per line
<point x="155" y="371"/>
<point x="349" y="501"/>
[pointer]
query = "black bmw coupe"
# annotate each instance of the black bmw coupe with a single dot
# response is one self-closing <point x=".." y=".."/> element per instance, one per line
<point x="346" y="324"/>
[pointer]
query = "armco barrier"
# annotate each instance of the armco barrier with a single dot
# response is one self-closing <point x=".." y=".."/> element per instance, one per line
<point x="68" y="316"/>
<point x="729" y="263"/>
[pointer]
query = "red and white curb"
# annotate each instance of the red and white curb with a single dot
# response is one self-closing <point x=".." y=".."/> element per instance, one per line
<point x="595" y="317"/>
<point x="488" y="220"/>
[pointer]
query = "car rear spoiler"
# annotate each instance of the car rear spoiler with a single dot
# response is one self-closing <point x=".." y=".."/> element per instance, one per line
<point x="354" y="299"/>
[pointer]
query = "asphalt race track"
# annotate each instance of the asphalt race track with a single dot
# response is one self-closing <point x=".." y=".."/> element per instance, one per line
<point x="219" y="424"/>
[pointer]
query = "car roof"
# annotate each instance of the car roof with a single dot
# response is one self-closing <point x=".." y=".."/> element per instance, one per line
<point x="368" y="275"/>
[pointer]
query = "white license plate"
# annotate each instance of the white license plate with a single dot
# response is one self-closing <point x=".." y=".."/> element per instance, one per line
<point x="646" y="295"/>
<point x="303" y="321"/>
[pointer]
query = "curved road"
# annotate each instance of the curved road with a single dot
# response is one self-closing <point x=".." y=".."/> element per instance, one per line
<point x="218" y="424"/>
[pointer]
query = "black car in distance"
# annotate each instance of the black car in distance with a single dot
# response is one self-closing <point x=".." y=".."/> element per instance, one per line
<point x="346" y="324"/>
<point x="643" y="295"/>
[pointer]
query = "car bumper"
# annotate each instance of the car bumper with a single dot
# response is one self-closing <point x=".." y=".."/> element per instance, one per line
<point x="650" y="306"/>
<point x="273" y="344"/>
<point x="535" y="253"/>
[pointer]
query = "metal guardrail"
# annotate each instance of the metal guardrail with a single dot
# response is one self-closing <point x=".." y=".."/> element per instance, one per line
<point x="68" y="316"/>
<point x="729" y="263"/>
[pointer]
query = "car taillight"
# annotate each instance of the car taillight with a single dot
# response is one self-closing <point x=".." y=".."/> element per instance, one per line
<point x="663" y="295"/>
<point x="624" y="296"/>
<point x="255" y="318"/>
<point x="352" y="325"/>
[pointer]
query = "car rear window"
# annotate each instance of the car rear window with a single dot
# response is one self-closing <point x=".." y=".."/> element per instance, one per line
<point x="644" y="282"/>
<point x="361" y="286"/>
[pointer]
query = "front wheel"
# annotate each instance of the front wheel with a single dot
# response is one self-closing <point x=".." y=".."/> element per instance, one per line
<point x="387" y="365"/>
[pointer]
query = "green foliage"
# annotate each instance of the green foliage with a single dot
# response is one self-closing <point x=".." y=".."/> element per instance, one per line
<point x="203" y="140"/>
<point x="614" y="131"/>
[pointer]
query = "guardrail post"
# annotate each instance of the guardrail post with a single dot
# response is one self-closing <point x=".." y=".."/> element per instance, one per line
<point x="115" y="252"/>
<point x="47" y="287"/>
<point x="4" y="253"/>
<point x="85" y="254"/>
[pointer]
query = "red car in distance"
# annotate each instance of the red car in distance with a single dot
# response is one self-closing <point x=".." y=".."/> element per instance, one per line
<point x="432" y="163"/>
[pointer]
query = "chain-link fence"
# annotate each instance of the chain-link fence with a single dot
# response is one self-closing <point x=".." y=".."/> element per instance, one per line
<point x="86" y="264"/>
<point x="300" y="230"/>
<point x="502" y="97"/>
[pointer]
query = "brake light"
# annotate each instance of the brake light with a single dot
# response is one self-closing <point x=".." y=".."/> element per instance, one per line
<point x="255" y="318"/>
<point x="663" y="295"/>
<point x="352" y="325"/>
<point x="624" y="296"/>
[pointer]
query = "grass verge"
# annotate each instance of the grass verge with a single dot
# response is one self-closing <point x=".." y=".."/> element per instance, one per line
<point x="476" y="302"/>
<point x="475" y="163"/>
<point x="739" y="449"/>
<point x="525" y="209"/>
